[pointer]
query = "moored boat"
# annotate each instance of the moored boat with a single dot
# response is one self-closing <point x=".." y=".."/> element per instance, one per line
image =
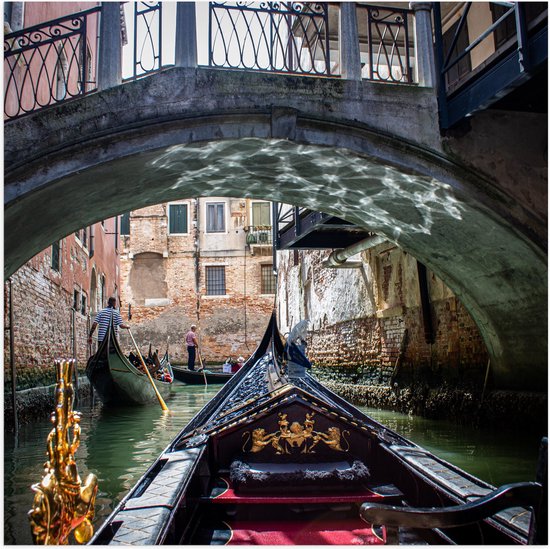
<point x="117" y="381"/>
<point x="196" y="377"/>
<point x="276" y="458"/>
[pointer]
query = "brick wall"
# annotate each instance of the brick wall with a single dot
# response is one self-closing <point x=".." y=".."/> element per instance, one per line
<point x="45" y="324"/>
<point x="228" y="325"/>
<point x="363" y="320"/>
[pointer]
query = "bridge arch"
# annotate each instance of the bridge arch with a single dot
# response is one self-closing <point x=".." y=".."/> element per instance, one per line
<point x="453" y="220"/>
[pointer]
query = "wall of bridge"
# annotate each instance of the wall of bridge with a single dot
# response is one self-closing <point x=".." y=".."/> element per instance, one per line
<point x="370" y="153"/>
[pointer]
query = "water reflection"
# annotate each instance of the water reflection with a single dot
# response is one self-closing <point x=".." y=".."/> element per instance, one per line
<point x="498" y="456"/>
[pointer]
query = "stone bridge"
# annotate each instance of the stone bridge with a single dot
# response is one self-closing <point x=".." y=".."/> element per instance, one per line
<point x="471" y="206"/>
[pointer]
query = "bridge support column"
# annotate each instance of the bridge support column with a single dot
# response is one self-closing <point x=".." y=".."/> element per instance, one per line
<point x="350" y="55"/>
<point x="109" y="66"/>
<point x="423" y="44"/>
<point x="186" y="35"/>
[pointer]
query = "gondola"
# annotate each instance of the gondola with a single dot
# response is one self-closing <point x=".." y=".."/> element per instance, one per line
<point x="196" y="377"/>
<point x="116" y="380"/>
<point x="276" y="458"/>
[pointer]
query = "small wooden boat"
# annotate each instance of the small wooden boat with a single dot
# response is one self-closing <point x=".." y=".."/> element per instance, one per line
<point x="276" y="458"/>
<point x="116" y="380"/>
<point x="196" y="377"/>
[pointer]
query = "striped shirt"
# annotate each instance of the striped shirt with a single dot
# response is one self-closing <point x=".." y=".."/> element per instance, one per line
<point x="103" y="318"/>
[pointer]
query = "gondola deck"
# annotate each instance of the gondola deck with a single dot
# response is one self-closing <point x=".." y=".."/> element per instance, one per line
<point x="276" y="458"/>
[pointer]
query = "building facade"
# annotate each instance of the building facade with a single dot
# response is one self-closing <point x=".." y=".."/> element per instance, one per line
<point x="203" y="261"/>
<point x="50" y="302"/>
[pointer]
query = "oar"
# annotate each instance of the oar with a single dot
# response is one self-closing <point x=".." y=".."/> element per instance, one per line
<point x="202" y="366"/>
<point x="161" y="401"/>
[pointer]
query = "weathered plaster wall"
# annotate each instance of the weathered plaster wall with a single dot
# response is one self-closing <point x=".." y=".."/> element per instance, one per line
<point x="363" y="320"/>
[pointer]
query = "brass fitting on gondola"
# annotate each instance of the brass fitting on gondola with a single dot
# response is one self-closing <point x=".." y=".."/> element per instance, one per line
<point x="62" y="504"/>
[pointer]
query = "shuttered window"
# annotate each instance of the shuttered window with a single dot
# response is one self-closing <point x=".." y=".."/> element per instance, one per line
<point x="261" y="214"/>
<point x="215" y="217"/>
<point x="125" y="224"/>
<point x="177" y="218"/>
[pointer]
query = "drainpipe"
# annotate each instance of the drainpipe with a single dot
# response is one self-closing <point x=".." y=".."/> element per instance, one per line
<point x="338" y="258"/>
<point x="196" y="255"/>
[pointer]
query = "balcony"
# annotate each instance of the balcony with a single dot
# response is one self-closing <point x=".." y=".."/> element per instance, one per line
<point x="260" y="239"/>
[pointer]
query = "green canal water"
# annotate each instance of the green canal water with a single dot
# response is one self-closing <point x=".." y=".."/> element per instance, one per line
<point x="118" y="445"/>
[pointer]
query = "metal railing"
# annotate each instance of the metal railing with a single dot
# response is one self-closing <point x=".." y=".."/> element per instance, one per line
<point x="49" y="63"/>
<point x="146" y="38"/>
<point x="259" y="235"/>
<point x="389" y="51"/>
<point x="56" y="61"/>
<point x="270" y="36"/>
<point x="511" y="29"/>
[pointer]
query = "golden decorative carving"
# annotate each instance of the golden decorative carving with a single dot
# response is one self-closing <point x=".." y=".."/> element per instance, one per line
<point x="62" y="504"/>
<point x="295" y="435"/>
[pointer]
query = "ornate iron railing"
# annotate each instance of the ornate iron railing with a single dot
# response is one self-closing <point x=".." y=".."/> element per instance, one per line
<point x="270" y="36"/>
<point x="146" y="38"/>
<point x="389" y="50"/>
<point x="49" y="63"/>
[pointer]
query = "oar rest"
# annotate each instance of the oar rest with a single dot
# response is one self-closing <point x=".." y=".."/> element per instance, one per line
<point x="523" y="494"/>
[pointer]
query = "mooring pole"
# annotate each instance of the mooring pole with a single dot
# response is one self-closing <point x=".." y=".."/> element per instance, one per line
<point x="12" y="362"/>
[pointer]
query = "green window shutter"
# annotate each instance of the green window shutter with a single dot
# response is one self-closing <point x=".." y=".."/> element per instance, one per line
<point x="261" y="215"/>
<point x="178" y="218"/>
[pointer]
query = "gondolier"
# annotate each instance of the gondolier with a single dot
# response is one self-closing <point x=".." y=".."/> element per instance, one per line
<point x="103" y="318"/>
<point x="192" y="346"/>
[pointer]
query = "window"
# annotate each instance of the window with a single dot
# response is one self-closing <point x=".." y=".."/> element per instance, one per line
<point x="125" y="224"/>
<point x="56" y="256"/>
<point x="177" y="218"/>
<point x="261" y="214"/>
<point x="215" y="280"/>
<point x="215" y="217"/>
<point x="82" y="235"/>
<point x="268" y="282"/>
<point x="83" y="304"/>
<point x="76" y="300"/>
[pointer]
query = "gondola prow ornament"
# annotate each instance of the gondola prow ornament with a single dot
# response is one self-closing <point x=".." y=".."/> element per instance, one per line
<point x="62" y="504"/>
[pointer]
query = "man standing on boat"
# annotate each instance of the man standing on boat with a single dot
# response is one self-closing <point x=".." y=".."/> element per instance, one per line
<point x="192" y="346"/>
<point x="103" y="318"/>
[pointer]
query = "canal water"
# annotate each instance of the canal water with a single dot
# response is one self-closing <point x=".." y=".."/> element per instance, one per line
<point x="118" y="445"/>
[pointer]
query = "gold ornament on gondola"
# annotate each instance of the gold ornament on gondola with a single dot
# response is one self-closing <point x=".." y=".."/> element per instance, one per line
<point x="62" y="504"/>
<point x="295" y="435"/>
